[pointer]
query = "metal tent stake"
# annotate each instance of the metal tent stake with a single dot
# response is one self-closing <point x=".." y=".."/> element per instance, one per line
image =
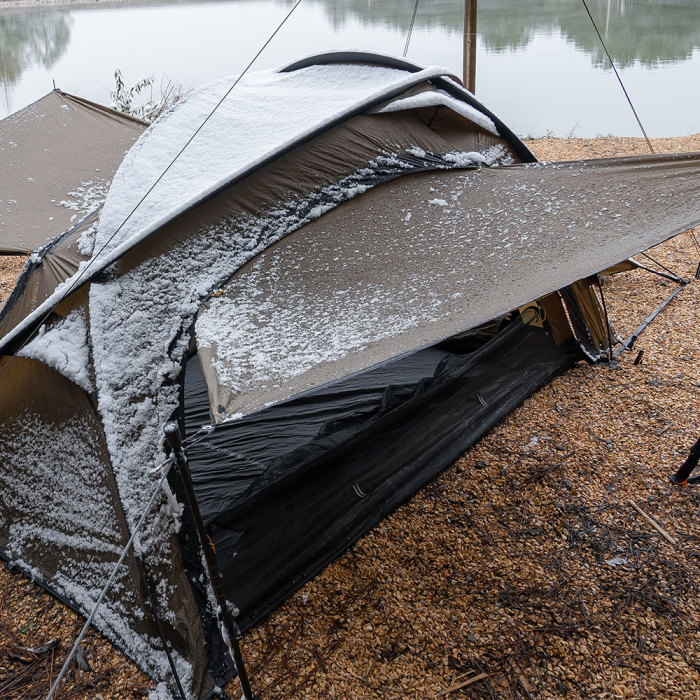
<point x="229" y="628"/>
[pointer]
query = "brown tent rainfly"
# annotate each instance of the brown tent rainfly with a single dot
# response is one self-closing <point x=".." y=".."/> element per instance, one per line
<point x="349" y="274"/>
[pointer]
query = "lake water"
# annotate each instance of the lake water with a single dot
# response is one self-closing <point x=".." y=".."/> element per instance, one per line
<point x="540" y="65"/>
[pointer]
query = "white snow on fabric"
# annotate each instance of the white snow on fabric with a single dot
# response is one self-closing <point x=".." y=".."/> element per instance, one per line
<point x="62" y="524"/>
<point x="265" y="113"/>
<point x="440" y="98"/>
<point x="86" y="197"/>
<point x="63" y="346"/>
<point x="86" y="242"/>
<point x="494" y="155"/>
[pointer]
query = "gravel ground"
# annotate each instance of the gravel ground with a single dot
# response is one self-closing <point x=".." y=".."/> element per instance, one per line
<point x="523" y="571"/>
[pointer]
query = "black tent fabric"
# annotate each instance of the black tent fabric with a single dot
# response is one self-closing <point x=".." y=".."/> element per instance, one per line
<point x="281" y="504"/>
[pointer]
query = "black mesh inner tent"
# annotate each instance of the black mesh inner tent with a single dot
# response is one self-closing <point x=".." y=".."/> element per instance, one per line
<point x="284" y="491"/>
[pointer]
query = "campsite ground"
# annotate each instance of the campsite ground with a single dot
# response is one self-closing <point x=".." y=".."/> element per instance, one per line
<point x="521" y="572"/>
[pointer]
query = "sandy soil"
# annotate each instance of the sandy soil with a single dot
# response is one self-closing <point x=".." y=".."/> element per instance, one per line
<point x="521" y="572"/>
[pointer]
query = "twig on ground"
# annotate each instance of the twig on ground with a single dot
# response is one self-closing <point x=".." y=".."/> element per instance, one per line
<point x="653" y="523"/>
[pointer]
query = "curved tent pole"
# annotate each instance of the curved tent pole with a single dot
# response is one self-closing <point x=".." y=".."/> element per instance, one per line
<point x="448" y="84"/>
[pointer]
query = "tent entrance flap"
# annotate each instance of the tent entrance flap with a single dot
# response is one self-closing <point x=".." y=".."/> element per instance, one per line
<point x="357" y="450"/>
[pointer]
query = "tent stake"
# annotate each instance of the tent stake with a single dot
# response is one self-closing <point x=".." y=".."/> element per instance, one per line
<point x="229" y="628"/>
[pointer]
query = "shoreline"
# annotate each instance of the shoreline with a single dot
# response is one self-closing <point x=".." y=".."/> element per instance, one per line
<point x="82" y="4"/>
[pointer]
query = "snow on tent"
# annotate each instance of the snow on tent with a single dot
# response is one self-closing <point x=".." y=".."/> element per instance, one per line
<point x="350" y="273"/>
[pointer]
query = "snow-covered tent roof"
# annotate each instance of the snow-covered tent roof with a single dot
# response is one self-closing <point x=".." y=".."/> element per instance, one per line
<point x="346" y="211"/>
<point x="57" y="159"/>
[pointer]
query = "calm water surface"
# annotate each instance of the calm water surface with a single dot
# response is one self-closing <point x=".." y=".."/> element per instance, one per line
<point x="540" y="66"/>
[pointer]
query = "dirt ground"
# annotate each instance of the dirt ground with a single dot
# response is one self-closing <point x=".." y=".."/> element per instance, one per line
<point x="523" y="571"/>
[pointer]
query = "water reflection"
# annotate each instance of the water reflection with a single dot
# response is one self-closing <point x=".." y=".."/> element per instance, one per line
<point x="526" y="47"/>
<point x="649" y="31"/>
<point x="31" y="38"/>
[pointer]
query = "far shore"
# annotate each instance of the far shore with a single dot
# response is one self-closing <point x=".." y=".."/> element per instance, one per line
<point x="68" y="4"/>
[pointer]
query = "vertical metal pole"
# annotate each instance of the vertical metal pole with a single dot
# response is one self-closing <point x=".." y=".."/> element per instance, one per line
<point x="470" y="45"/>
<point x="229" y="628"/>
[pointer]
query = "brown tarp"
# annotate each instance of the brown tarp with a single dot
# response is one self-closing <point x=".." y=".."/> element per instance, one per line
<point x="425" y="256"/>
<point x="57" y="158"/>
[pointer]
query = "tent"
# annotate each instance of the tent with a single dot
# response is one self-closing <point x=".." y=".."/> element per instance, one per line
<point x="59" y="155"/>
<point x="335" y="277"/>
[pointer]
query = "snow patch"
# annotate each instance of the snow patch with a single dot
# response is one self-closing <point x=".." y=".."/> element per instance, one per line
<point x="440" y="98"/>
<point x="86" y="197"/>
<point x="64" y="347"/>
<point x="86" y="242"/>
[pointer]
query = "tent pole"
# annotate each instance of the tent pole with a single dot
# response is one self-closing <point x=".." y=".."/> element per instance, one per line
<point x="627" y="345"/>
<point x="159" y="626"/>
<point x="469" y="55"/>
<point x="682" y="476"/>
<point x="229" y="628"/>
